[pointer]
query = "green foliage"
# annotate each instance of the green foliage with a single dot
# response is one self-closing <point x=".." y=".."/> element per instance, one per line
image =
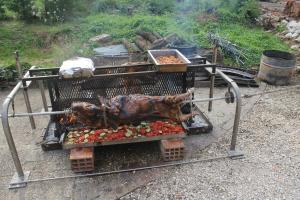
<point x="2" y="11"/>
<point x="57" y="10"/>
<point x="253" y="41"/>
<point x="156" y="7"/>
<point x="10" y="74"/>
<point x="24" y="8"/>
<point x="244" y="11"/>
<point x="159" y="7"/>
<point x="41" y="44"/>
<point x="105" y="5"/>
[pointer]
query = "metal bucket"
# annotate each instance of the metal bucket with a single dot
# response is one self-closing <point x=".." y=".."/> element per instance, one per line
<point x="276" y="67"/>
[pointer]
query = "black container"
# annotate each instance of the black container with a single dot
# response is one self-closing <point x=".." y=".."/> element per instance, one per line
<point x="185" y="49"/>
<point x="199" y="124"/>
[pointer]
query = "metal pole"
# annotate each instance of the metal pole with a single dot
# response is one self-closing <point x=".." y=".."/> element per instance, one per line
<point x="42" y="89"/>
<point x="18" y="65"/>
<point x="237" y="115"/>
<point x="7" y="131"/>
<point x="212" y="78"/>
<point x="28" y="106"/>
<point x="20" y="178"/>
<point x="25" y="92"/>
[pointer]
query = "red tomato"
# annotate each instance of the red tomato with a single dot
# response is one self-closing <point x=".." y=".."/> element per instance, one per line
<point x="142" y="131"/>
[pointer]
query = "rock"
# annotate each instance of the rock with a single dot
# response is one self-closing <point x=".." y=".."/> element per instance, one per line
<point x="285" y="22"/>
<point x="297" y="70"/>
<point x="275" y="19"/>
<point x="296" y="46"/>
<point x="288" y="36"/>
<point x="297" y="39"/>
<point x="103" y="38"/>
<point x="295" y="34"/>
<point x="293" y="26"/>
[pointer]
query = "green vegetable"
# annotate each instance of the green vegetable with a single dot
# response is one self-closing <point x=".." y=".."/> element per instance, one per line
<point x="128" y="133"/>
<point x="102" y="134"/>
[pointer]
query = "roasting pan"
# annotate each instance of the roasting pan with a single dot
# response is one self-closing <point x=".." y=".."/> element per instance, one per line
<point x="180" y="67"/>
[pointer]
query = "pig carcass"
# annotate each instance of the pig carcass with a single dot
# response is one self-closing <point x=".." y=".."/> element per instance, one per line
<point x="127" y="109"/>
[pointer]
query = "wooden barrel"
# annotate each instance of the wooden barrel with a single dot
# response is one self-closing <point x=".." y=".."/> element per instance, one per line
<point x="276" y="67"/>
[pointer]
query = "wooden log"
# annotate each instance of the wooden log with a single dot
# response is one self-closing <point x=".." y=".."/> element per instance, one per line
<point x="141" y="43"/>
<point x="147" y="35"/>
<point x="157" y="35"/>
<point x="131" y="47"/>
<point x="159" y="44"/>
<point x="164" y="42"/>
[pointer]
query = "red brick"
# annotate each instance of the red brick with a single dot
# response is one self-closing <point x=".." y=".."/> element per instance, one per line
<point x="172" y="149"/>
<point x="82" y="159"/>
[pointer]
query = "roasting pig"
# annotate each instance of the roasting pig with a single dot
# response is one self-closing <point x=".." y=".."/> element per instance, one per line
<point x="125" y="109"/>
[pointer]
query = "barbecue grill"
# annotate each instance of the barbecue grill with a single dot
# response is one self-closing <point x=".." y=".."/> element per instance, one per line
<point x="110" y="81"/>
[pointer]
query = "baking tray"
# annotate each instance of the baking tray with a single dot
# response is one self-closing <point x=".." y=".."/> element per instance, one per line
<point x="124" y="141"/>
<point x="181" y="67"/>
<point x="202" y="126"/>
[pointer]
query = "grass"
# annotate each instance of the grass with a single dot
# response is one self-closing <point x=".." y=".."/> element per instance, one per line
<point x="48" y="45"/>
<point x="31" y="40"/>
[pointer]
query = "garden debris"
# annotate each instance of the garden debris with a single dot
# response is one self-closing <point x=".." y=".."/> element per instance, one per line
<point x="269" y="20"/>
<point x="282" y="15"/>
<point x="292" y="8"/>
<point x="229" y="48"/>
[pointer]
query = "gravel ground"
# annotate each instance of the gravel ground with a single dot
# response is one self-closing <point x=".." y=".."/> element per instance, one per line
<point x="270" y="139"/>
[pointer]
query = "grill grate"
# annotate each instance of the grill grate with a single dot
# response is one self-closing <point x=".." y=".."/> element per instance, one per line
<point x="65" y="91"/>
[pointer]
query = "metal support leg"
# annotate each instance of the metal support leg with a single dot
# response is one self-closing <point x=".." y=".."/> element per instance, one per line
<point x="28" y="106"/>
<point x="233" y="153"/>
<point x="42" y="89"/>
<point x="211" y="90"/>
<point x="213" y="77"/>
<point x="20" y="178"/>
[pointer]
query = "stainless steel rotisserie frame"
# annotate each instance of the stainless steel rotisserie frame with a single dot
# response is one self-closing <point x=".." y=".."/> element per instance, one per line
<point x="20" y="179"/>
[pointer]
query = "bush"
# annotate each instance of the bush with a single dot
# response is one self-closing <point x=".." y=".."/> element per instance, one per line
<point x="2" y="11"/>
<point x="159" y="7"/>
<point x="105" y="5"/>
<point x="24" y="8"/>
<point x="245" y="11"/>
<point x="57" y="10"/>
<point x="249" y="10"/>
<point x="10" y="74"/>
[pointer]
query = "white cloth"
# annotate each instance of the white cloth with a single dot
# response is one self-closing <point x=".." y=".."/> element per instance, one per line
<point x="77" y="67"/>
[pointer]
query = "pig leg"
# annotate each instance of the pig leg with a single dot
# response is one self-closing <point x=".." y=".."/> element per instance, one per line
<point x="186" y="117"/>
<point x="177" y="99"/>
